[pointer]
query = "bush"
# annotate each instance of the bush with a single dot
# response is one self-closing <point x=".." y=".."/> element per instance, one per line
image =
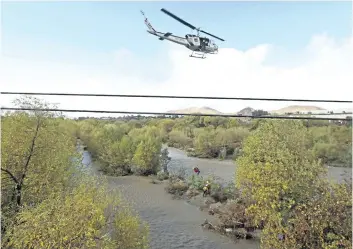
<point x="196" y="182"/>
<point x="162" y="175"/>
<point x="78" y="220"/>
<point x="177" y="188"/>
<point x="224" y="193"/>
<point x="178" y="139"/>
<point x="177" y="174"/>
<point x="233" y="215"/>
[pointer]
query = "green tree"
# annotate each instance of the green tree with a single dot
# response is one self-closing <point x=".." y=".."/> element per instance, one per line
<point x="284" y="184"/>
<point x="47" y="200"/>
<point x="78" y="220"/>
<point x="35" y="157"/>
<point x="178" y="139"/>
<point x="204" y="144"/>
<point x="276" y="173"/>
<point x="146" y="158"/>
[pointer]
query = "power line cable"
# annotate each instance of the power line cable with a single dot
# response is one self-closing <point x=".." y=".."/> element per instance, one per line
<point x="322" y="114"/>
<point x="174" y="114"/>
<point x="174" y="97"/>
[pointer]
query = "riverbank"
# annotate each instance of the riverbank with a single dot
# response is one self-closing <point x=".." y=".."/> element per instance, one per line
<point x="173" y="223"/>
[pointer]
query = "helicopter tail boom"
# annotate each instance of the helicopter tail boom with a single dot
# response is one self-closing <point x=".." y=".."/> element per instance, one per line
<point x="168" y="36"/>
<point x="148" y="24"/>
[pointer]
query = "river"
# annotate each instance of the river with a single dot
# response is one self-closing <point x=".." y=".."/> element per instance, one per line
<point x="175" y="223"/>
<point x="226" y="169"/>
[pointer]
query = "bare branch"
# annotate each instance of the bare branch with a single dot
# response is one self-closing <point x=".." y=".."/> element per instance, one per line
<point x="10" y="174"/>
<point x="31" y="151"/>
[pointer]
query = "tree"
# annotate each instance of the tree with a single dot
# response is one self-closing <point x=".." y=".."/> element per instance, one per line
<point x="36" y="156"/>
<point x="47" y="199"/>
<point x="146" y="158"/>
<point x="204" y="144"/>
<point x="277" y="173"/>
<point x="259" y="113"/>
<point x="78" y="220"/>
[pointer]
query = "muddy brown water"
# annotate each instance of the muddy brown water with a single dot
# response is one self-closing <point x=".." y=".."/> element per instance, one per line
<point x="175" y="223"/>
<point x="226" y="169"/>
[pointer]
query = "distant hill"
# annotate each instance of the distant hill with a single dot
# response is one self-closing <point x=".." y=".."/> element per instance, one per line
<point x="246" y="111"/>
<point x="297" y="108"/>
<point x="196" y="110"/>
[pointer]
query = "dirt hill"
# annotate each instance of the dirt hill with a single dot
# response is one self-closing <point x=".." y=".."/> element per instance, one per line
<point x="248" y="110"/>
<point x="196" y="110"/>
<point x="297" y="108"/>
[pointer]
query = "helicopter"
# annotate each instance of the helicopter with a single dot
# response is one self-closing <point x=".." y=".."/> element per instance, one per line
<point x="197" y="44"/>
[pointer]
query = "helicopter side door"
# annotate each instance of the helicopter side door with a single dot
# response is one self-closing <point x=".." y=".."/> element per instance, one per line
<point x="205" y="42"/>
<point x="193" y="40"/>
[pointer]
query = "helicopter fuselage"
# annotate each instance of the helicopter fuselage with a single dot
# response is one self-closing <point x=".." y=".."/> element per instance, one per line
<point x="190" y="41"/>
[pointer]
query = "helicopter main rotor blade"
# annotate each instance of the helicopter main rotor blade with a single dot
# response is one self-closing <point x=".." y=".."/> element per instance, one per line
<point x="178" y="18"/>
<point x="211" y="35"/>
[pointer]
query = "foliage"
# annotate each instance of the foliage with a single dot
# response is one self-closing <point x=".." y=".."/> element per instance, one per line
<point x="220" y="137"/>
<point x="36" y="158"/>
<point x="284" y="184"/>
<point x="333" y="144"/>
<point x="121" y="148"/>
<point x="279" y="175"/>
<point x="161" y="175"/>
<point x="146" y="158"/>
<point x="47" y="200"/>
<point x="259" y="113"/>
<point x="78" y="220"/>
<point x="178" y="139"/>
<point x="322" y="222"/>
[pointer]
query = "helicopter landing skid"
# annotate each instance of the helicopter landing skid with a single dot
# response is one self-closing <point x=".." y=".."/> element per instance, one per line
<point x="198" y="55"/>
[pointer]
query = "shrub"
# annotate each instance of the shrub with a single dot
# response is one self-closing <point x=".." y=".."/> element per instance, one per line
<point x="177" y="188"/>
<point x="162" y="175"/>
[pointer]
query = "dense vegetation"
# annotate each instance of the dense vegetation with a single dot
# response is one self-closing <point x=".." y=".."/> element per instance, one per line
<point x="123" y="148"/>
<point x="280" y="187"/>
<point x="282" y="184"/>
<point x="204" y="137"/>
<point x="47" y="201"/>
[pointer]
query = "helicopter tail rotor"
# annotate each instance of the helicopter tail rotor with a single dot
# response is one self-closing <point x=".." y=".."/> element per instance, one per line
<point x="148" y="24"/>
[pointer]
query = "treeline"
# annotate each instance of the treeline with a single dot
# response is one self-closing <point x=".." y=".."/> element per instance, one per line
<point x="223" y="137"/>
<point x="204" y="137"/>
<point x="218" y="137"/>
<point x="47" y="200"/>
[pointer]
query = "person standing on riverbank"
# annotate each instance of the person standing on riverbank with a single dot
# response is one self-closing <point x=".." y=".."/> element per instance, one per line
<point x="196" y="170"/>
<point x="207" y="189"/>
